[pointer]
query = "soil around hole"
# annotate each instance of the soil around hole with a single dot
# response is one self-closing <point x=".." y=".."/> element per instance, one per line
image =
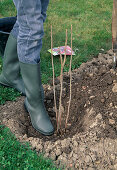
<point x="92" y="123"/>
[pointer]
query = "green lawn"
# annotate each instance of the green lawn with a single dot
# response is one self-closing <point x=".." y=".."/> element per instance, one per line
<point x="91" y="20"/>
<point x="14" y="156"/>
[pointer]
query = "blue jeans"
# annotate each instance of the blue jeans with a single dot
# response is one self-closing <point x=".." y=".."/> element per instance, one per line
<point x="28" y="29"/>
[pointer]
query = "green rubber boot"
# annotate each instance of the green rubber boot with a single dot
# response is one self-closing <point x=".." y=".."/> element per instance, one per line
<point x="10" y="75"/>
<point x="34" y="100"/>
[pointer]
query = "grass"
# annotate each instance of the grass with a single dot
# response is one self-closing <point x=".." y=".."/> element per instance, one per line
<point x="13" y="155"/>
<point x="91" y="21"/>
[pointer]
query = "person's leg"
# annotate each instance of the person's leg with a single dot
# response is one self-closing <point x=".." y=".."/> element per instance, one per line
<point x="15" y="30"/>
<point x="12" y="78"/>
<point x="10" y="75"/>
<point x="44" y="6"/>
<point x="31" y="31"/>
<point x="30" y="20"/>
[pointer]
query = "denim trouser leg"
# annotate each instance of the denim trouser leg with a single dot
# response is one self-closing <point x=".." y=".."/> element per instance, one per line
<point x="15" y="30"/>
<point x="44" y="5"/>
<point x="29" y="28"/>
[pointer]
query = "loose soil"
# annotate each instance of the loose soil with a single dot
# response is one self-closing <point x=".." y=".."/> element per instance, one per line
<point x="90" y="141"/>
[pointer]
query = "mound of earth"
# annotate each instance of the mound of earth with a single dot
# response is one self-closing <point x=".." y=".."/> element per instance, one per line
<point x="90" y="141"/>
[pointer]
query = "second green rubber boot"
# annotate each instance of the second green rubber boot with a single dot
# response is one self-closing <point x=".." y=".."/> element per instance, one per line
<point x="34" y="98"/>
<point x="10" y="75"/>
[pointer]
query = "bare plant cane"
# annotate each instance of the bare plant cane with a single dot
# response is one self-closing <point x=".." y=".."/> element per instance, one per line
<point x="70" y="72"/>
<point x="61" y="82"/>
<point x="53" y="77"/>
<point x="59" y="112"/>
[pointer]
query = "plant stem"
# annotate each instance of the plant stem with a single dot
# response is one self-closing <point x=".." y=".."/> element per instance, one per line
<point x="61" y="82"/>
<point x="70" y="83"/>
<point x="53" y="76"/>
<point x="60" y="99"/>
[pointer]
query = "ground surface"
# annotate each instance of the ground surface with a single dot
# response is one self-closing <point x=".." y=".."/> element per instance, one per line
<point x="90" y="141"/>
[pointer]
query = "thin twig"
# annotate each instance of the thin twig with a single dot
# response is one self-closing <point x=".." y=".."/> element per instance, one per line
<point x="60" y="99"/>
<point x="70" y="83"/>
<point x="65" y="49"/>
<point x="61" y="82"/>
<point x="53" y="75"/>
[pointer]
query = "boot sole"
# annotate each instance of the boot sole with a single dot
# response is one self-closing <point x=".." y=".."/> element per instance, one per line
<point x="5" y="85"/>
<point x="46" y="134"/>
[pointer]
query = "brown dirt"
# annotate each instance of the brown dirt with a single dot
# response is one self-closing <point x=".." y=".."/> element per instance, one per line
<point x="90" y="141"/>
